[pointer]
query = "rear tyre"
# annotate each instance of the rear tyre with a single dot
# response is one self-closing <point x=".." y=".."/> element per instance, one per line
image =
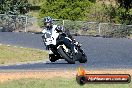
<point x="65" y="56"/>
<point x="83" y="58"/>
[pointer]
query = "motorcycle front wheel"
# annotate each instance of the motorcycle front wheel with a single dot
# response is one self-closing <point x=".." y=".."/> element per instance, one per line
<point x="66" y="56"/>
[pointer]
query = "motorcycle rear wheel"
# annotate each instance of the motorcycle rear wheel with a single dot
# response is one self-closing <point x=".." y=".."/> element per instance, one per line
<point x="83" y="59"/>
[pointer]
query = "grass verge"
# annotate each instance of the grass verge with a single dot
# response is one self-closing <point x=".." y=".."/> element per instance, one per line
<point x="12" y="55"/>
<point x="57" y="83"/>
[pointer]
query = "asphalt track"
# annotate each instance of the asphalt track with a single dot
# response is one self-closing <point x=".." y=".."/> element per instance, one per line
<point x="102" y="53"/>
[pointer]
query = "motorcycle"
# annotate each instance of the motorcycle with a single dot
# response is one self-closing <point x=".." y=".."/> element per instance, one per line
<point x="58" y="49"/>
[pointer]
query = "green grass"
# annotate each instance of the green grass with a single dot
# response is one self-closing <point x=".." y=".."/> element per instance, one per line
<point x="56" y="83"/>
<point x="11" y="54"/>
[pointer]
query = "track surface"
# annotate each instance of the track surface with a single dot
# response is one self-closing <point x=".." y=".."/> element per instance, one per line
<point x="102" y="52"/>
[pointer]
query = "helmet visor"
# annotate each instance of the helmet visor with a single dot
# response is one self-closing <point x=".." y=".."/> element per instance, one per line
<point x="48" y="24"/>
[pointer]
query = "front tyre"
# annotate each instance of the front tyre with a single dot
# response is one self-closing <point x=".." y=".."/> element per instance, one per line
<point x="65" y="56"/>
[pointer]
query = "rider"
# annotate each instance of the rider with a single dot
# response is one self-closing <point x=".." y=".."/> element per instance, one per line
<point x="49" y="27"/>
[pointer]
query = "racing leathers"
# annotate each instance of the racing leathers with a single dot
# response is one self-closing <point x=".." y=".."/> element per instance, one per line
<point x="65" y="33"/>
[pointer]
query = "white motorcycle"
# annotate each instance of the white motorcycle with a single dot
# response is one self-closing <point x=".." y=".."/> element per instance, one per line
<point x="58" y="49"/>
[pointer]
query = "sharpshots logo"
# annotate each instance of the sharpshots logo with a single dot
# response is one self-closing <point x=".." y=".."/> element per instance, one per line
<point x="83" y="78"/>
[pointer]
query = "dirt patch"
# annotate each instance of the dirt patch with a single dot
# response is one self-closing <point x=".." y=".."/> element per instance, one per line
<point x="107" y="2"/>
<point x="7" y="76"/>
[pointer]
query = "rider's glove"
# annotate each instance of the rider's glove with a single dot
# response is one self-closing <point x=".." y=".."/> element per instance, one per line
<point x="76" y="43"/>
<point x="59" y="28"/>
<point x="74" y="40"/>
